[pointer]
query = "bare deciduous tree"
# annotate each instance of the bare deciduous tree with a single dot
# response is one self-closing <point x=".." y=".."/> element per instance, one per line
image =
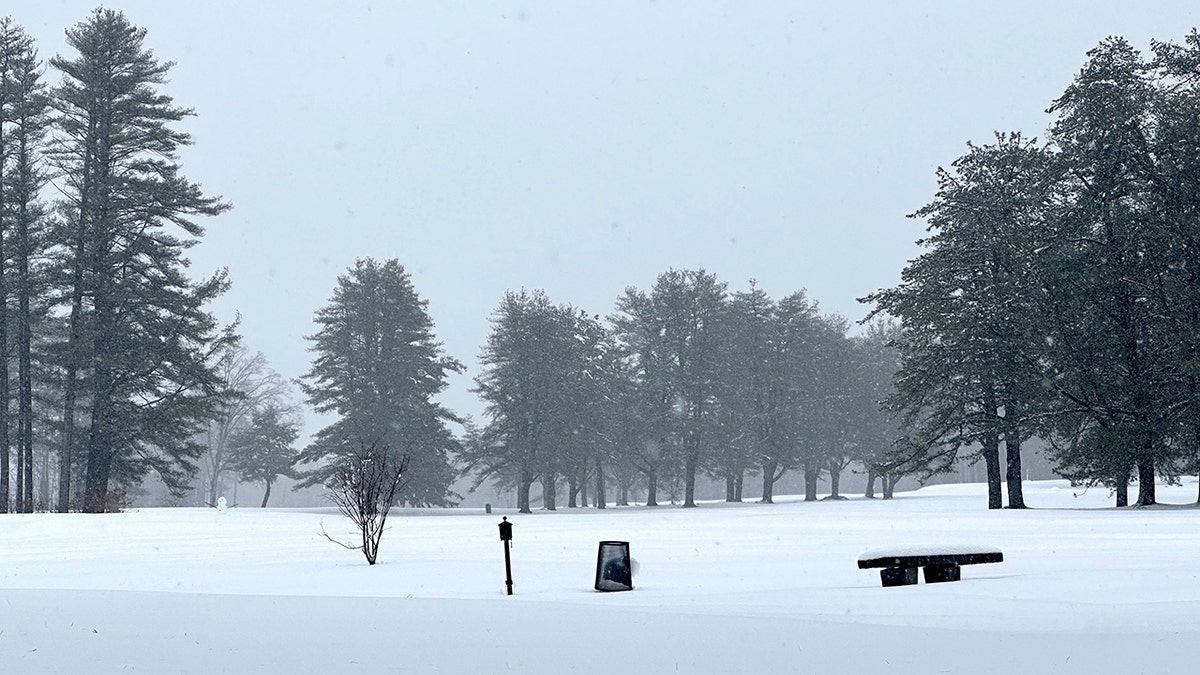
<point x="364" y="486"/>
<point x="249" y="384"/>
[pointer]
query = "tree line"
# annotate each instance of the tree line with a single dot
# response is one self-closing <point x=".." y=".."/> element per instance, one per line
<point x="1058" y="295"/>
<point x="1057" y="298"/>
<point x="114" y="366"/>
<point x="107" y="337"/>
<point x="686" y="379"/>
<point x="117" y="371"/>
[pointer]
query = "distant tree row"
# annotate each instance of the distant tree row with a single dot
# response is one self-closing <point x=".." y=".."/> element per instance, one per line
<point x="1058" y="298"/>
<point x="112" y="369"/>
<point x="1059" y="294"/>
<point x="685" y="380"/>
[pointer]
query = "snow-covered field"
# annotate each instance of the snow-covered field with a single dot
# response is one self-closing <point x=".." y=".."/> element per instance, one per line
<point x="721" y="589"/>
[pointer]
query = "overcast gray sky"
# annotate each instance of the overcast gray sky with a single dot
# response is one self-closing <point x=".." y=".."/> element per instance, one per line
<point x="580" y="148"/>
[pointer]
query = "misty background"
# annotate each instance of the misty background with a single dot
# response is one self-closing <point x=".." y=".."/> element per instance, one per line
<point x="582" y="149"/>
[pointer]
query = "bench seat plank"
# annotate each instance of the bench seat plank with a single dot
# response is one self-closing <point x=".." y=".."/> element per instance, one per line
<point x="921" y="556"/>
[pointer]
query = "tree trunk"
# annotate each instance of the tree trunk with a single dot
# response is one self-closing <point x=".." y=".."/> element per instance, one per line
<point x="214" y="481"/>
<point x="101" y="443"/>
<point x="43" y="494"/>
<point x="22" y="147"/>
<point x="690" y="463"/>
<point x="68" y="436"/>
<point x="652" y="488"/>
<point x="1122" y="491"/>
<point x="1146" y="480"/>
<point x="266" y="495"/>
<point x="811" y="475"/>
<point x="24" y="351"/>
<point x="601" y="497"/>
<point x="835" y="482"/>
<point x="1013" y="461"/>
<point x="75" y="339"/>
<point x="768" y="481"/>
<point x="991" y="457"/>
<point x="737" y="491"/>
<point x="730" y="488"/>
<point x="548" y="493"/>
<point x="99" y="459"/>
<point x="523" y="487"/>
<point x="889" y="486"/>
<point x="1012" y="456"/>
<point x="5" y="458"/>
<point x="71" y="381"/>
<point x="573" y="493"/>
<point x="870" y="491"/>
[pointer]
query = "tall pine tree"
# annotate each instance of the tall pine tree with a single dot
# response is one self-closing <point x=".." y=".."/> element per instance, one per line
<point x="139" y="345"/>
<point x="538" y="366"/>
<point x="968" y="377"/>
<point x="1103" y="271"/>
<point x="1176" y="207"/>
<point x="378" y="367"/>
<point x="677" y="334"/>
<point x="23" y="121"/>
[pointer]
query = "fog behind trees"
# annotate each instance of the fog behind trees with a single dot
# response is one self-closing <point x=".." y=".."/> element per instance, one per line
<point x="120" y="369"/>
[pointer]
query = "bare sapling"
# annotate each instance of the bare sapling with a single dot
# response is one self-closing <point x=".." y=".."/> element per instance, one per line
<point x="364" y="487"/>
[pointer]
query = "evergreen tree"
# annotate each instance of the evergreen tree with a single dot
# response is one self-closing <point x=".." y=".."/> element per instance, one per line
<point x="139" y="341"/>
<point x="969" y="376"/>
<point x="797" y="352"/>
<point x="592" y="436"/>
<point x="1059" y="296"/>
<point x="378" y="369"/>
<point x="26" y="180"/>
<point x="515" y="388"/>
<point x="878" y="428"/>
<point x="263" y="451"/>
<point x="771" y="382"/>
<point x="543" y="384"/>
<point x="676" y="331"/>
<point x="749" y="413"/>
<point x="831" y="439"/>
<point x="644" y="395"/>
<point x="1176" y="206"/>
<point x="635" y="456"/>
<point x="1111" y="358"/>
<point x="23" y="120"/>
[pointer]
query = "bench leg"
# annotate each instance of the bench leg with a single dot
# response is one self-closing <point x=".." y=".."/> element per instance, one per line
<point x="899" y="576"/>
<point x="936" y="574"/>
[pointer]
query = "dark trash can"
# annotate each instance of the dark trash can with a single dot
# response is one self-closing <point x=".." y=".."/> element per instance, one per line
<point x="614" y="569"/>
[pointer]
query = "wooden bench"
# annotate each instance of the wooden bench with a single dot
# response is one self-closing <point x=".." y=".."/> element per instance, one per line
<point x="941" y="563"/>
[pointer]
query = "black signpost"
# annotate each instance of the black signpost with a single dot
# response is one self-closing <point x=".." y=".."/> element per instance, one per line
<point x="506" y="540"/>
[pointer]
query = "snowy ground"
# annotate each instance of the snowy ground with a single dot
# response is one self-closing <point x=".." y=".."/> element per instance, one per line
<point x="721" y="589"/>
